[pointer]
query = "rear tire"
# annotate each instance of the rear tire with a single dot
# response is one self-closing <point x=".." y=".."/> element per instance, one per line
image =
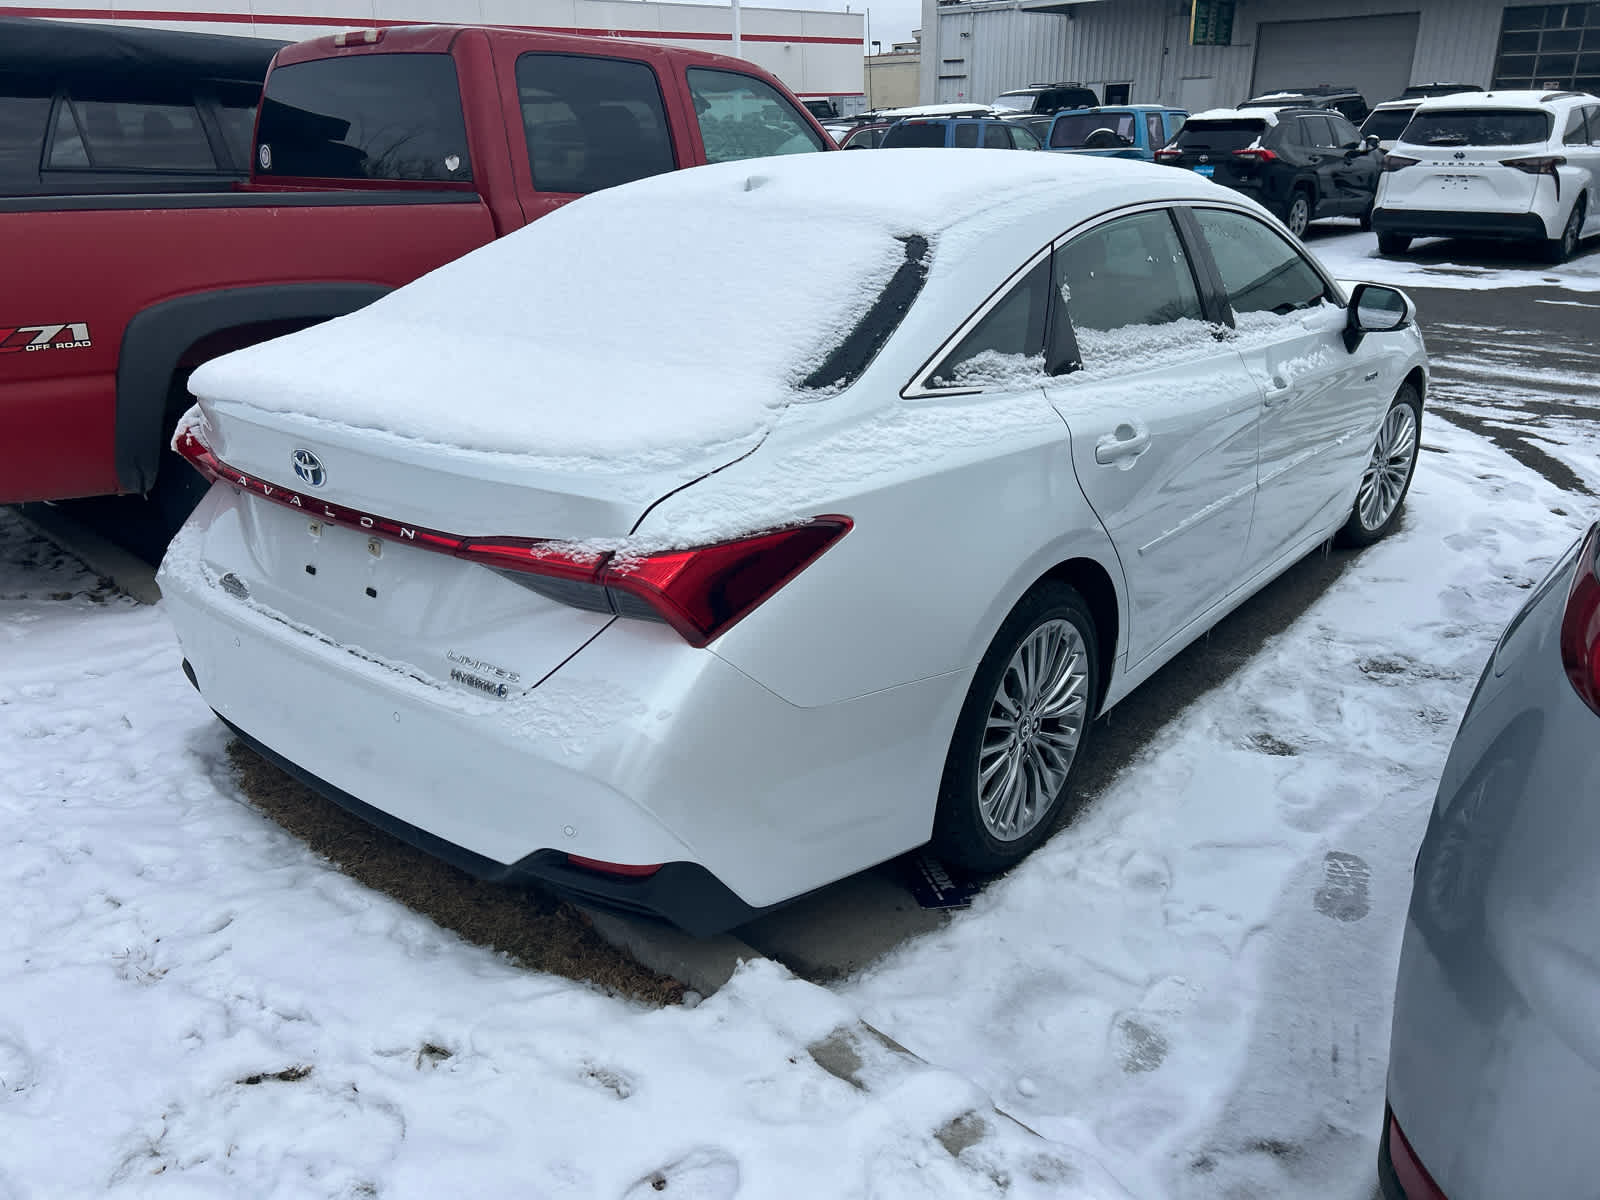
<point x="1021" y="732"/>
<point x="1388" y="474"/>
<point x="1558" y="250"/>
<point x="1366" y="218"/>
<point x="1392" y="244"/>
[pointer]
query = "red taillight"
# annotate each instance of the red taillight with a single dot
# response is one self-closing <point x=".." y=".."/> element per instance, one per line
<point x="1414" y="1179"/>
<point x="1257" y="155"/>
<point x="1580" y="626"/>
<point x="631" y="871"/>
<point x="1398" y="162"/>
<point x="701" y="591"/>
<point x="1543" y="164"/>
<point x="1168" y="152"/>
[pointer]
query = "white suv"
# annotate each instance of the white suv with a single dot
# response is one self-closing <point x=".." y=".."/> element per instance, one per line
<point x="1510" y="164"/>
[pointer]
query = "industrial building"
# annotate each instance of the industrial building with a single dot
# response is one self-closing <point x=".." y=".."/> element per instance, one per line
<point x="817" y="54"/>
<point x="1199" y="54"/>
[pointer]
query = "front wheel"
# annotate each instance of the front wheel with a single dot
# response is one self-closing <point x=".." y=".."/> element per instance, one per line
<point x="1387" y="479"/>
<point x="1021" y="730"/>
<point x="1393" y="243"/>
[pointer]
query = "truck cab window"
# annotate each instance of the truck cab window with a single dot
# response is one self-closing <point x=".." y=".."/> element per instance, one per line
<point x="591" y="123"/>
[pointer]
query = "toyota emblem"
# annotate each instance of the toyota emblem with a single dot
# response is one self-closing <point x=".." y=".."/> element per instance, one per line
<point x="309" y="467"/>
<point x="1460" y="154"/>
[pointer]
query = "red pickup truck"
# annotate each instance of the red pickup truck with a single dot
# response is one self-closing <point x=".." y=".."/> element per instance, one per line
<point x="379" y="155"/>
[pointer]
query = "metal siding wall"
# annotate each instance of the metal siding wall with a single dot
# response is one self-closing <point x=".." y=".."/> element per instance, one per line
<point x="1122" y="40"/>
<point x="1005" y="49"/>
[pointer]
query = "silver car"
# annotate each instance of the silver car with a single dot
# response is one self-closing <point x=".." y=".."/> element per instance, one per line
<point x="1494" y="1066"/>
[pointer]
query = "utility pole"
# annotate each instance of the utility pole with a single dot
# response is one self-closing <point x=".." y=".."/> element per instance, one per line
<point x="737" y="52"/>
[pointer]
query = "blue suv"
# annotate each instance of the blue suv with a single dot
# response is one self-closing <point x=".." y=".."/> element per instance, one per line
<point x="1126" y="131"/>
<point x="993" y="133"/>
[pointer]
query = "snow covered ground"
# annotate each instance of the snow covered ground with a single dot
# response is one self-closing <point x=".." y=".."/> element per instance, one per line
<point x="1449" y="263"/>
<point x="1186" y="993"/>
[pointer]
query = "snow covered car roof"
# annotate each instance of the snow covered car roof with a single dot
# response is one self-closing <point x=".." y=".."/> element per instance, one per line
<point x="1269" y="115"/>
<point x="1533" y="98"/>
<point x="651" y="325"/>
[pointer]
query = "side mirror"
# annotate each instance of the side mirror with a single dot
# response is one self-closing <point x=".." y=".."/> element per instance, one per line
<point x="1372" y="141"/>
<point x="1375" y="309"/>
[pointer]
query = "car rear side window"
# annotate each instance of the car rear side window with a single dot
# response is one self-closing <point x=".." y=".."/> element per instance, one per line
<point x="1260" y="270"/>
<point x="1316" y="131"/>
<point x="1478" y="127"/>
<point x="914" y="133"/>
<point x="127" y="135"/>
<point x="24" y="114"/>
<point x="1130" y="271"/>
<point x="744" y="117"/>
<point x="965" y="134"/>
<point x="1152" y="131"/>
<point x="591" y="123"/>
<point x="1224" y="135"/>
<point x="995" y="137"/>
<point x="1007" y="343"/>
<point x="1072" y="130"/>
<point x="368" y="116"/>
<point x="1577" y="133"/>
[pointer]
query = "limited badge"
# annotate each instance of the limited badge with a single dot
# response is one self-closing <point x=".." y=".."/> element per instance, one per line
<point x="264" y="156"/>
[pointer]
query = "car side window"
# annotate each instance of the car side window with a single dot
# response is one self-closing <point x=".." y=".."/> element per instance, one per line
<point x="591" y="123"/>
<point x="120" y="135"/>
<point x="744" y="117"/>
<point x="1022" y="139"/>
<point x="1345" y="134"/>
<point x="966" y="134"/>
<point x="1260" y="270"/>
<point x="1318" y="132"/>
<point x="1152" y="131"/>
<point x="23" y="118"/>
<point x="1594" y="124"/>
<point x="1577" y="132"/>
<point x="1007" y="344"/>
<point x="1129" y="271"/>
<point x="995" y="137"/>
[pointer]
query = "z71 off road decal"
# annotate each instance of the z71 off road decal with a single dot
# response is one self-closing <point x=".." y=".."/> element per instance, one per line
<point x="17" y="339"/>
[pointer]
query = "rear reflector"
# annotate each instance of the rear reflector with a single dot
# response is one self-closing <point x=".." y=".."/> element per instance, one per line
<point x="1580" y="625"/>
<point x="701" y="591"/>
<point x="594" y="864"/>
<point x="1408" y="1169"/>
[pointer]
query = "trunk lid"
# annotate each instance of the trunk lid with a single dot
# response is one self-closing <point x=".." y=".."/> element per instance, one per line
<point x="330" y="533"/>
<point x="1460" y="159"/>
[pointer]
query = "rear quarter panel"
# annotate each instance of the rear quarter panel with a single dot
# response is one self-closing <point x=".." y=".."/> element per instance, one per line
<point x="99" y="267"/>
<point x="960" y="505"/>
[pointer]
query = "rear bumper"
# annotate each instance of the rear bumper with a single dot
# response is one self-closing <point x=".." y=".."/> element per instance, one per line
<point x="684" y="893"/>
<point x="1416" y="222"/>
<point x="638" y="750"/>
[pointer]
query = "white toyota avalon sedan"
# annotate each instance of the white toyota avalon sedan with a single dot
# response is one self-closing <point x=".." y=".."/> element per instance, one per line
<point x="726" y="533"/>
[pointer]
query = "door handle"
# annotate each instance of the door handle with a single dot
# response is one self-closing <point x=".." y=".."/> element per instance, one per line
<point x="1122" y="446"/>
<point x="1276" y="392"/>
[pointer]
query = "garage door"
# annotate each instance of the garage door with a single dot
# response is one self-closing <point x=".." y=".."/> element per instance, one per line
<point x="1372" y="54"/>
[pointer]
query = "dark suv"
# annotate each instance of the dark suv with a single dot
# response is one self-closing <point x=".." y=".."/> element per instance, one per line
<point x="1046" y="98"/>
<point x="102" y="108"/>
<point x="1344" y="100"/>
<point x="1302" y="163"/>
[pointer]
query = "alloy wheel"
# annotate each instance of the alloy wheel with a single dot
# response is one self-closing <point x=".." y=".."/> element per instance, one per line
<point x="1383" y="483"/>
<point x="1299" y="214"/>
<point x="1036" y="722"/>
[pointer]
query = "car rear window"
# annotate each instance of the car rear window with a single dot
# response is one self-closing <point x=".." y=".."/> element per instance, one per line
<point x="1016" y="101"/>
<point x="914" y="133"/>
<point x="1233" y="134"/>
<point x="1478" y="127"/>
<point x="370" y="116"/>
<point x="1387" y="123"/>
<point x="1072" y="131"/>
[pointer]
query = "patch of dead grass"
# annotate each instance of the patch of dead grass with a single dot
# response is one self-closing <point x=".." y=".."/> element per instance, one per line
<point x="534" y="928"/>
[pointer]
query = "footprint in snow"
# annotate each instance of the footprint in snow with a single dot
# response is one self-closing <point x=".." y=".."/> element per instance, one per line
<point x="1140" y="1048"/>
<point x="706" y="1173"/>
<point x="16" y="1069"/>
<point x="1346" y="886"/>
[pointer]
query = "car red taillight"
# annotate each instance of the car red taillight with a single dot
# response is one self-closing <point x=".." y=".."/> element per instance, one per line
<point x="1168" y="153"/>
<point x="1543" y="164"/>
<point x="1256" y="155"/>
<point x="701" y="591"/>
<point x="1580" y="625"/>
<point x="1398" y="162"/>
<point x="1414" y="1179"/>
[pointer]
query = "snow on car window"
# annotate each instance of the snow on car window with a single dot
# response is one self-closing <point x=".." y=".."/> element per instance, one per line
<point x="994" y="370"/>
